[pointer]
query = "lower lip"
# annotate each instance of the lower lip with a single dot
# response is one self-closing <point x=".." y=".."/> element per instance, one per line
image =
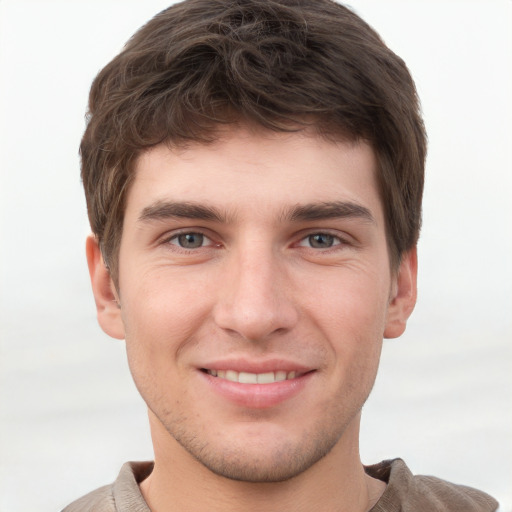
<point x="257" y="396"/>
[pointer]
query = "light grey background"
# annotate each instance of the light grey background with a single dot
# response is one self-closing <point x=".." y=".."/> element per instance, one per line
<point x="69" y="413"/>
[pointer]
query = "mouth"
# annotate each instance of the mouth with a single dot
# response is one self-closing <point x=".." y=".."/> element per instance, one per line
<point x="253" y="378"/>
<point x="268" y="385"/>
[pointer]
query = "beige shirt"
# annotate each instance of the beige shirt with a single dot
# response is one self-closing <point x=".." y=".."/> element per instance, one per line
<point x="404" y="492"/>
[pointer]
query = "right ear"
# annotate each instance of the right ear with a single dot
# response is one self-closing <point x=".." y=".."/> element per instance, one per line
<point x="105" y="295"/>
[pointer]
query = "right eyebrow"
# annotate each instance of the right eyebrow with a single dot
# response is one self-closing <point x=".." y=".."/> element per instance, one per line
<point x="161" y="210"/>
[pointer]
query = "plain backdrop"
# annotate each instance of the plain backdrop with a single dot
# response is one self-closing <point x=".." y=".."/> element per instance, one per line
<point x="69" y="413"/>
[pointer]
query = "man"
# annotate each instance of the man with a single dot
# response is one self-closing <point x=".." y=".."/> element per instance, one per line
<point x="253" y="172"/>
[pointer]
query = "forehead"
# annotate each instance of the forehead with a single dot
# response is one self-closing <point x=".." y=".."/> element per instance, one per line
<point x="257" y="172"/>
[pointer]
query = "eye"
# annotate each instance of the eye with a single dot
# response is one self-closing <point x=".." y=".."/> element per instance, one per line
<point x="190" y="240"/>
<point x="320" y="241"/>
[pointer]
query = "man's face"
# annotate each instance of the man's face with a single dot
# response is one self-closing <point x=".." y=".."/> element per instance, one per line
<point x="255" y="290"/>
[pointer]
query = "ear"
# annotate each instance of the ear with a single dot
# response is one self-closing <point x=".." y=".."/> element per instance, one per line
<point x="105" y="295"/>
<point x="403" y="296"/>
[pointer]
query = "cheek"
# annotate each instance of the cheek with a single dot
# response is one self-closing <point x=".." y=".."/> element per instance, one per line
<point x="158" y="326"/>
<point x="354" y="304"/>
<point x="352" y="318"/>
<point x="160" y="316"/>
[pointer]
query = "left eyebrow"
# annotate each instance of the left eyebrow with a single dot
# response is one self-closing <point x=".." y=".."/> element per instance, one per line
<point x="329" y="210"/>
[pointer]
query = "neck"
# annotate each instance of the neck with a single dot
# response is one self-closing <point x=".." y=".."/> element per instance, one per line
<point x="337" y="482"/>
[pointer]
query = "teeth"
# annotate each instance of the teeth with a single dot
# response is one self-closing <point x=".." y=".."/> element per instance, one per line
<point x="253" y="378"/>
<point x="232" y="375"/>
<point x="266" y="378"/>
<point x="280" y="375"/>
<point x="247" y="378"/>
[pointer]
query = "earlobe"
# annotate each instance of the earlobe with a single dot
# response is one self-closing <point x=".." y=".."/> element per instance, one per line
<point x="105" y="295"/>
<point x="404" y="294"/>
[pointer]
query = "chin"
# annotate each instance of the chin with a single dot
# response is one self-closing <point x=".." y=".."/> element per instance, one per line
<point x="276" y="459"/>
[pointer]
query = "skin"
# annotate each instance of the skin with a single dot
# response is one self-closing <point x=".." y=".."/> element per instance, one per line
<point x="270" y="278"/>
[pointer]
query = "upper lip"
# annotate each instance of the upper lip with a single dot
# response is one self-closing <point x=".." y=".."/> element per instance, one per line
<point x="254" y="366"/>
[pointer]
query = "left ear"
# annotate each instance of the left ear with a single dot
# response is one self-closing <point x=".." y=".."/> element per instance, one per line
<point x="403" y="296"/>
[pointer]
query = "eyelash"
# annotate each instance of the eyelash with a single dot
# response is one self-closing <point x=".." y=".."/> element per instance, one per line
<point x="176" y="236"/>
<point x="335" y="239"/>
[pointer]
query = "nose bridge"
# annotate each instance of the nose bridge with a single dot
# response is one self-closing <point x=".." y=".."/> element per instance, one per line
<point x="253" y="301"/>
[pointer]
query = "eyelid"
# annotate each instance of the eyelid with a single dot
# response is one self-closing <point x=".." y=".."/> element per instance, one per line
<point x="341" y="238"/>
<point x="168" y="237"/>
<point x="303" y="242"/>
<point x="177" y="235"/>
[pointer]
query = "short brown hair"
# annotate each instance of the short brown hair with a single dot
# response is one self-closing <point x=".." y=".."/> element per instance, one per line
<point x="282" y="64"/>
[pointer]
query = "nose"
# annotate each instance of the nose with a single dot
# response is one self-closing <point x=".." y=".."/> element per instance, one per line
<point x="255" y="299"/>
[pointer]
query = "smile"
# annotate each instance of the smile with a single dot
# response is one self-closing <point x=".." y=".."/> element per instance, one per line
<point x="253" y="378"/>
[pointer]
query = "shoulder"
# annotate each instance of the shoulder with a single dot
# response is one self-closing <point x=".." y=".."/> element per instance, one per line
<point x="122" y="496"/>
<point x="407" y="492"/>
<point x="100" y="500"/>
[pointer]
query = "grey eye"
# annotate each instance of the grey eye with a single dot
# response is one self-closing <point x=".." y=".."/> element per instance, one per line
<point x="190" y="240"/>
<point x="321" y="240"/>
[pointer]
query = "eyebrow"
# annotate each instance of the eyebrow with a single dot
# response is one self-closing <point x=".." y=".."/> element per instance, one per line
<point x="329" y="210"/>
<point x="162" y="210"/>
